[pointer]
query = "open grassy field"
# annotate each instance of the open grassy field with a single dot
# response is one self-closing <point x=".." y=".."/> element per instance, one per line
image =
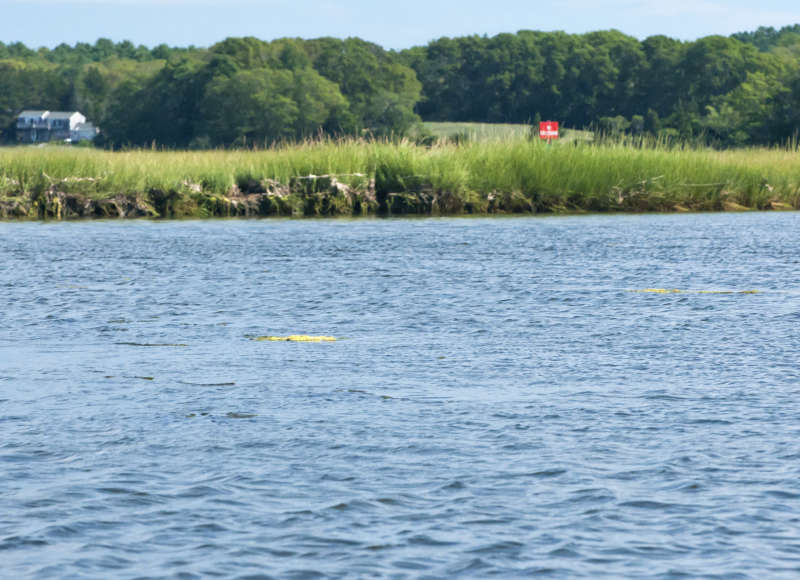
<point x="483" y="132"/>
<point x="478" y="131"/>
<point x="359" y="178"/>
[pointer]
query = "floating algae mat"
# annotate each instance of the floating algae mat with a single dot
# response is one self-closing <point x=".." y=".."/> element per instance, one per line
<point x="295" y="338"/>
<point x="231" y="415"/>
<point x="676" y="291"/>
<point x="241" y="416"/>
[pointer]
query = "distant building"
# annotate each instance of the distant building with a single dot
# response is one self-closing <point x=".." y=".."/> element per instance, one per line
<point x="44" y="126"/>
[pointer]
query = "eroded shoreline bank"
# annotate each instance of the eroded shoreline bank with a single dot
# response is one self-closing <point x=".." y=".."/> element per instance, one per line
<point x="158" y="204"/>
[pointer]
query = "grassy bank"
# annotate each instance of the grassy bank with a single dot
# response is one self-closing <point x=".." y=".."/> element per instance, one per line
<point x="358" y="178"/>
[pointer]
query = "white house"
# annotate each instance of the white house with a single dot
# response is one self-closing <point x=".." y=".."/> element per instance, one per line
<point x="43" y="126"/>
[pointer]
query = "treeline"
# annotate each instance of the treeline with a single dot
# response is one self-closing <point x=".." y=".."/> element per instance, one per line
<point x="743" y="89"/>
<point x="83" y="53"/>
<point x="730" y="90"/>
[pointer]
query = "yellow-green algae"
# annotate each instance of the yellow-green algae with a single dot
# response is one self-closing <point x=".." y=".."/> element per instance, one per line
<point x="676" y="291"/>
<point x="295" y="338"/>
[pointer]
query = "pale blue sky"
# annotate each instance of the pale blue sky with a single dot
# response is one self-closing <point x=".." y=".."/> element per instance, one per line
<point x="391" y="24"/>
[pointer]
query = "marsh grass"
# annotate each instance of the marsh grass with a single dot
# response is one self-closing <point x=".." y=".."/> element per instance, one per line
<point x="524" y="175"/>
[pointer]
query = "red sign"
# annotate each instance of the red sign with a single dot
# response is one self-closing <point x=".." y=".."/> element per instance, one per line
<point x="548" y="130"/>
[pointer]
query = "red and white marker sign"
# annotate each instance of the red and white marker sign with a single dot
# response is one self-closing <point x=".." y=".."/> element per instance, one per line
<point x="548" y="130"/>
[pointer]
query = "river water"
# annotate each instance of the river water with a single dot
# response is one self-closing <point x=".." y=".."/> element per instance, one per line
<point x="500" y="402"/>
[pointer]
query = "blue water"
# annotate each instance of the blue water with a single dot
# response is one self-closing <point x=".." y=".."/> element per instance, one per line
<point x="499" y="402"/>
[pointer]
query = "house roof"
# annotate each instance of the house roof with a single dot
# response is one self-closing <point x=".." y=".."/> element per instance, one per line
<point x="33" y="113"/>
<point x="49" y="114"/>
<point x="62" y="114"/>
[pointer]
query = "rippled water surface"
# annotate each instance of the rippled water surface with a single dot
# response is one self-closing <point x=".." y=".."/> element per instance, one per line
<point x="499" y="403"/>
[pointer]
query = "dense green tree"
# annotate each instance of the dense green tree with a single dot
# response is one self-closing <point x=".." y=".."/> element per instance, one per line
<point x="749" y="113"/>
<point x="30" y="85"/>
<point x="126" y="121"/>
<point x="380" y="89"/>
<point x="661" y="81"/>
<point x="266" y="105"/>
<point x="250" y="107"/>
<point x="445" y="87"/>
<point x="716" y="65"/>
<point x="172" y="99"/>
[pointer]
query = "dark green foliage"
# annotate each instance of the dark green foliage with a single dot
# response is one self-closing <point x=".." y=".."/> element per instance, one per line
<point x="380" y="89"/>
<point x="716" y="89"/>
<point x="35" y="85"/>
<point x="512" y="77"/>
<point x="246" y="92"/>
<point x="766" y="38"/>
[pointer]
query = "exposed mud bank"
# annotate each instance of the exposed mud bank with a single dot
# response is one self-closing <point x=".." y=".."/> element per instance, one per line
<point x="326" y="195"/>
<point x="312" y="195"/>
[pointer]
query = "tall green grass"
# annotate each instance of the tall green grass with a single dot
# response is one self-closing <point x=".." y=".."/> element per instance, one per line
<point x="502" y="175"/>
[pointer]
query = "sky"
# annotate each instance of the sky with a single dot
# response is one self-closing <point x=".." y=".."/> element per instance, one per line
<point x="392" y="24"/>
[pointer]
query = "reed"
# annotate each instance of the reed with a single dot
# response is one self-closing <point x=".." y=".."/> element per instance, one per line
<point x="514" y="175"/>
